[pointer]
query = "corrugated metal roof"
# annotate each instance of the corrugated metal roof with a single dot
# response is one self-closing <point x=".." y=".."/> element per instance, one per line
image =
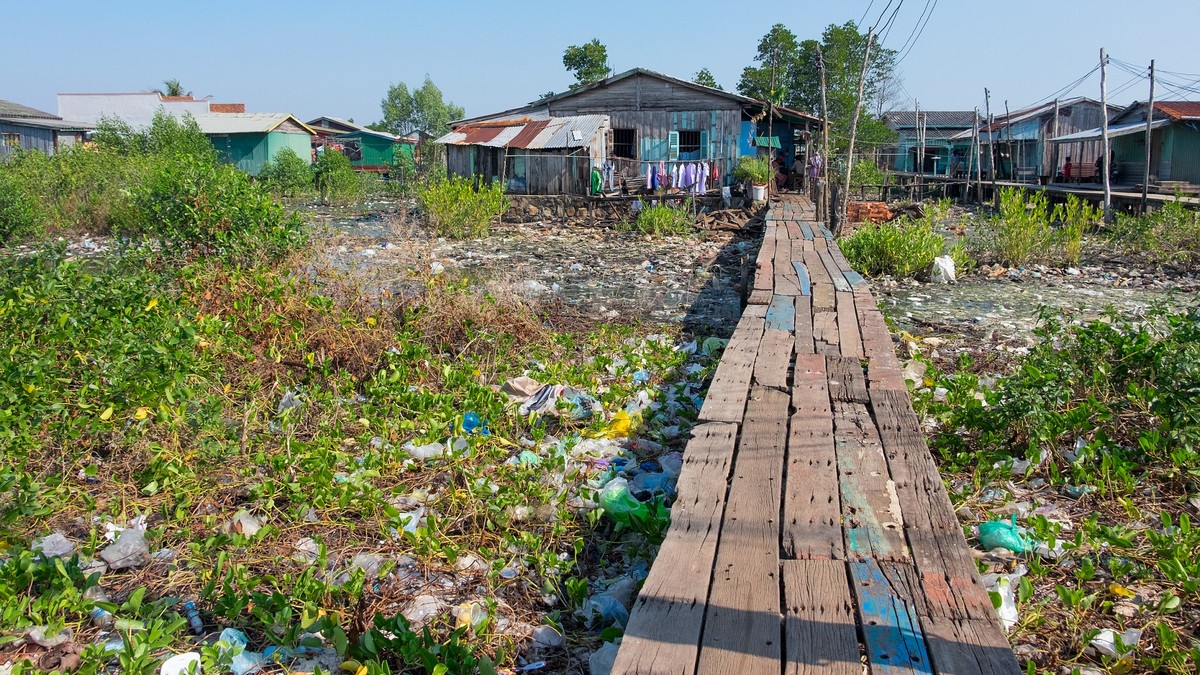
<point x="48" y="123"/>
<point x="1113" y="131"/>
<point x="244" y="123"/>
<point x="962" y="119"/>
<point x="522" y="132"/>
<point x="370" y="132"/>
<point x="10" y="109"/>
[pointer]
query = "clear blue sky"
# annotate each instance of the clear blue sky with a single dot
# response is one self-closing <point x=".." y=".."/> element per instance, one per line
<point x="338" y="58"/>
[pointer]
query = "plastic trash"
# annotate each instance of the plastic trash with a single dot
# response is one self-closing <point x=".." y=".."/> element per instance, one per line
<point x="547" y="637"/>
<point x="474" y="424"/>
<point x="650" y="484"/>
<point x="528" y="458"/>
<point x="1002" y="534"/>
<point x="1106" y="642"/>
<point x="424" y="452"/>
<point x="672" y="464"/>
<point x="711" y="345"/>
<point x="422" y="608"/>
<point x="520" y="387"/>
<point x="1004" y="585"/>
<point x="641" y="377"/>
<point x="469" y="615"/>
<point x="181" y="664"/>
<point x="602" y="660"/>
<point x="608" y="608"/>
<point x="244" y="661"/>
<point x="37" y="635"/>
<point x="195" y="623"/>
<point x="943" y="270"/>
<point x="130" y="549"/>
<point x="545" y="401"/>
<point x="619" y="504"/>
<point x="54" y="545"/>
<point x="101" y="618"/>
<point x="243" y="523"/>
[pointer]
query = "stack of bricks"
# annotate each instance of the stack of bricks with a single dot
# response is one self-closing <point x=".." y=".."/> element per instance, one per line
<point x="874" y="212"/>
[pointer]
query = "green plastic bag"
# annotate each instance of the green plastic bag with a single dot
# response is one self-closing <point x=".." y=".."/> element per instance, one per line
<point x="1002" y="534"/>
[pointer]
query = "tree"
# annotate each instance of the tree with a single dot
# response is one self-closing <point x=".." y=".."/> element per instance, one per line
<point x="798" y="75"/>
<point x="424" y="109"/>
<point x="171" y="87"/>
<point x="705" y="77"/>
<point x="588" y="62"/>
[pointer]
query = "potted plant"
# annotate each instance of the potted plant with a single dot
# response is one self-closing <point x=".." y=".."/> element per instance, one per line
<point x="757" y="170"/>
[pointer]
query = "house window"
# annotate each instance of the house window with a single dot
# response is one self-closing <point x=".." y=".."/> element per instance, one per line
<point x="10" y="140"/>
<point x="689" y="144"/>
<point x="625" y="143"/>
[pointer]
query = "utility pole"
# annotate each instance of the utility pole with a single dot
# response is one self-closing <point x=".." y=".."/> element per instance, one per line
<point x="978" y="161"/>
<point x="987" y="103"/>
<point x="862" y="80"/>
<point x="823" y="174"/>
<point x="1104" y="134"/>
<point x="1054" y="146"/>
<point x="1149" y="121"/>
<point x="771" y="114"/>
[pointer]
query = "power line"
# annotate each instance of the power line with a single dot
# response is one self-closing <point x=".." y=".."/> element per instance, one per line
<point x="916" y="26"/>
<point x="866" y="12"/>
<point x="919" y="34"/>
<point x="887" y="27"/>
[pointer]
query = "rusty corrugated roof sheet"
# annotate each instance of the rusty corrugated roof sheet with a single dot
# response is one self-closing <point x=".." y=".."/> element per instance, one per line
<point x="528" y="133"/>
<point x="477" y="135"/>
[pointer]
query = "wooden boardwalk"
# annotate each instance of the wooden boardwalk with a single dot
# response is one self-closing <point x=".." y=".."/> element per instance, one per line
<point x="812" y="532"/>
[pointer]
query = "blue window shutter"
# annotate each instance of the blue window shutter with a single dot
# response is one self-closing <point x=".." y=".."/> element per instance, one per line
<point x="673" y="146"/>
<point x="704" y="154"/>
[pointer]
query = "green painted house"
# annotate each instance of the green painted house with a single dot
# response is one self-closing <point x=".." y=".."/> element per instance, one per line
<point x="250" y="140"/>
<point x="373" y="151"/>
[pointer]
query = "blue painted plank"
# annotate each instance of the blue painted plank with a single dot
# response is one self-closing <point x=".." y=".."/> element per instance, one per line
<point x="891" y="630"/>
<point x="802" y="272"/>
<point x="808" y="233"/>
<point x="826" y="233"/>
<point x="853" y="277"/>
<point x="781" y="314"/>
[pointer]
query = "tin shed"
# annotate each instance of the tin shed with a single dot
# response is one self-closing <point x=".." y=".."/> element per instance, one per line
<point x="249" y="140"/>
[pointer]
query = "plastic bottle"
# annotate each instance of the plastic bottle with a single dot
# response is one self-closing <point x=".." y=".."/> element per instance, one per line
<point x="193" y="617"/>
<point x="101" y="618"/>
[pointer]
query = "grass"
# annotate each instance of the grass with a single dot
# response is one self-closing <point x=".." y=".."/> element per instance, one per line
<point x="1108" y="413"/>
<point x="662" y="219"/>
<point x="459" y="209"/>
<point x="1170" y="234"/>
<point x="1026" y="230"/>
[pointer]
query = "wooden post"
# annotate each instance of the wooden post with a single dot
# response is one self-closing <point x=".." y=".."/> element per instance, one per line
<point x="987" y="102"/>
<point x="1104" y="134"/>
<point x="823" y="175"/>
<point x="1054" y="147"/>
<point x="978" y="161"/>
<point x="1012" y="159"/>
<point x="917" y="131"/>
<point x="862" y="79"/>
<point x="1149" y="121"/>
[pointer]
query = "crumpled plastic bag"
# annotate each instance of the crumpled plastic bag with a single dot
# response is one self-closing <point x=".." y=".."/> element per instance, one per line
<point x="130" y="549"/>
<point x="545" y="401"/>
<point x="943" y="270"/>
<point x="1002" y="534"/>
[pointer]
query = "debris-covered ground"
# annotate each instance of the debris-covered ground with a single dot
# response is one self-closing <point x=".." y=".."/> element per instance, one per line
<point x="1063" y="404"/>
<point x="306" y="463"/>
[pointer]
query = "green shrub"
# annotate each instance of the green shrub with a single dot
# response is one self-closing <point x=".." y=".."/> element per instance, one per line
<point x="865" y="172"/>
<point x="208" y="207"/>
<point x="287" y="174"/>
<point x="22" y="215"/>
<point x="1022" y="228"/>
<point x="1169" y="234"/>
<point x="1076" y="217"/>
<point x="901" y="249"/>
<point x="336" y="178"/>
<point x="753" y="169"/>
<point x="458" y="210"/>
<point x="166" y="135"/>
<point x="663" y="219"/>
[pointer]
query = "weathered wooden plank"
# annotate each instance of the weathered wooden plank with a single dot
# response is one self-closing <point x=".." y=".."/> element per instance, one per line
<point x="663" y="633"/>
<point x="807" y="229"/>
<point x="822" y="286"/>
<point x="802" y="275"/>
<point x="774" y="358"/>
<point x="850" y="340"/>
<point x="819" y="622"/>
<point x="804" y="325"/>
<point x="835" y="272"/>
<point x="968" y="648"/>
<point x="812" y="509"/>
<point x="781" y="313"/>
<point x="826" y="233"/>
<point x="786" y="281"/>
<point x="825" y="328"/>
<point x="891" y="630"/>
<point x="871" y="515"/>
<point x="760" y="296"/>
<point x="742" y="623"/>
<point x="726" y="399"/>
<point x="846" y="379"/>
